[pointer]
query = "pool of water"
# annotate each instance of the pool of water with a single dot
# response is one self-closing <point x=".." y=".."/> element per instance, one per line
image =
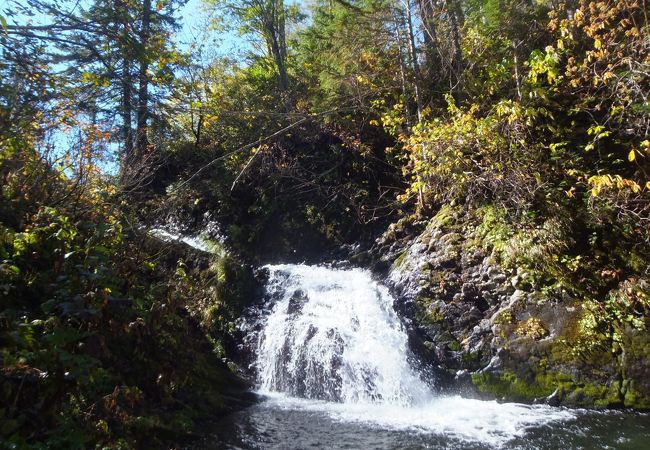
<point x="281" y="422"/>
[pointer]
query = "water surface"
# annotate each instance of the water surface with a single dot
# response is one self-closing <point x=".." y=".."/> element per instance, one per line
<point x="284" y="423"/>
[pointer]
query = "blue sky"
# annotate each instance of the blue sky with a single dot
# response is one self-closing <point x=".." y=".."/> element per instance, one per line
<point x="194" y="17"/>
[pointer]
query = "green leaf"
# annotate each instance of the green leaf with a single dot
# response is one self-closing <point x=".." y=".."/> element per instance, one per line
<point x="3" y="23"/>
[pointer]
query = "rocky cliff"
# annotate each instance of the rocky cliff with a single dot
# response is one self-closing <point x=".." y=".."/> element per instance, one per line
<point x="491" y="307"/>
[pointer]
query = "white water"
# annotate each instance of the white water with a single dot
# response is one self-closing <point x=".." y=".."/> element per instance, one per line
<point x="196" y="242"/>
<point x="333" y="343"/>
<point x="334" y="335"/>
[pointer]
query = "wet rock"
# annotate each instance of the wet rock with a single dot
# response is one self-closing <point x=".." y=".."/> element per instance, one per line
<point x="554" y="399"/>
<point x="296" y="302"/>
<point x="480" y="320"/>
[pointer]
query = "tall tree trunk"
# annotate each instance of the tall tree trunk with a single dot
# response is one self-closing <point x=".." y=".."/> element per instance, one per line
<point x="143" y="80"/>
<point x="455" y="20"/>
<point x="431" y="45"/>
<point x="127" y="110"/>
<point x="282" y="29"/>
<point x="414" y="58"/>
<point x="126" y="87"/>
<point x="279" y="62"/>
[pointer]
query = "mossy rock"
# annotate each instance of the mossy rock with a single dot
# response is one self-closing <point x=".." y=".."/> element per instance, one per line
<point x="401" y="259"/>
<point x="575" y="393"/>
<point x="635" y="399"/>
<point x="509" y="386"/>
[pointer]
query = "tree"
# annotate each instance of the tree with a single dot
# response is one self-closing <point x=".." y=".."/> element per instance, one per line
<point x="117" y="57"/>
<point x="267" y="20"/>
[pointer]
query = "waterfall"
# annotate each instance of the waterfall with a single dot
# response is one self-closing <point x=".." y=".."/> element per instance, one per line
<point x="328" y="341"/>
<point x="333" y="335"/>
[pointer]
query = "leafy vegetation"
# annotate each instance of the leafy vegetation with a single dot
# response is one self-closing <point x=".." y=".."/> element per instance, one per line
<point x="106" y="336"/>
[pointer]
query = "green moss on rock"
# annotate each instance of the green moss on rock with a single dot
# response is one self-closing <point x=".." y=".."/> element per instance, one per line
<point x="399" y="261"/>
<point x="509" y="386"/>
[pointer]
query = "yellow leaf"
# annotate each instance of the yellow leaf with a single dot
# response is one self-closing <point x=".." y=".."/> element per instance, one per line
<point x="598" y="44"/>
<point x="631" y="156"/>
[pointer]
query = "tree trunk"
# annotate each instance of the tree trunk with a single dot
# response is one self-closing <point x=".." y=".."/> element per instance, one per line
<point x="431" y="45"/>
<point x="455" y="19"/>
<point x="143" y="80"/>
<point x="279" y="62"/>
<point x="127" y="110"/>
<point x="126" y="88"/>
<point x="414" y="58"/>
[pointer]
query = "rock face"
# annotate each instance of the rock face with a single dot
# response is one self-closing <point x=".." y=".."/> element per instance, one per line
<point x="501" y="333"/>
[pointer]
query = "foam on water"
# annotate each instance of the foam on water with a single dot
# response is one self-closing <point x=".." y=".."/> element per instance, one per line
<point x="486" y="422"/>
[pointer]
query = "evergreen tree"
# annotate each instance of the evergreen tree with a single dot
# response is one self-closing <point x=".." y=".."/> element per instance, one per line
<point x="117" y="60"/>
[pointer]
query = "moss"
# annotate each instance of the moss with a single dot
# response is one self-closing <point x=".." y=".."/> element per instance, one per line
<point x="572" y="393"/>
<point x="504" y="317"/>
<point x="469" y="357"/>
<point x="593" y="395"/>
<point x="494" y="231"/>
<point x="399" y="261"/>
<point x="581" y="393"/>
<point x="433" y="316"/>
<point x="445" y="337"/>
<point x="445" y="217"/>
<point x="635" y="399"/>
<point x="232" y="367"/>
<point x="532" y="328"/>
<point x="509" y="386"/>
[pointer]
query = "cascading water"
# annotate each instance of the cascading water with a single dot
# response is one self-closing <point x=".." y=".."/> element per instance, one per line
<point x="333" y="344"/>
<point x="334" y="366"/>
<point x="333" y="335"/>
